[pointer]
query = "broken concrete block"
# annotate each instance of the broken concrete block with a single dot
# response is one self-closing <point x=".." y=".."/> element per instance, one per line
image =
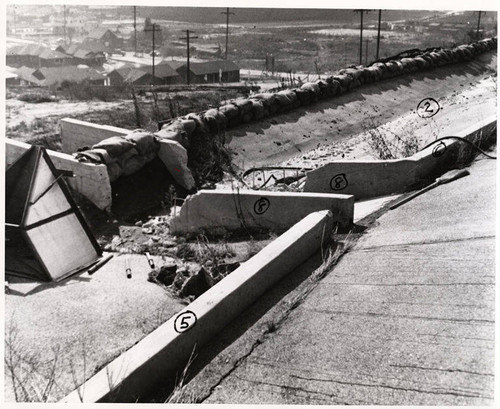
<point x="248" y="209"/>
<point x="166" y="275"/>
<point x="175" y="158"/>
<point x="195" y="285"/>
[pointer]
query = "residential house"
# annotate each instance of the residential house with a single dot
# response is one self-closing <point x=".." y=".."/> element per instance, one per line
<point x="34" y="55"/>
<point x="132" y="76"/>
<point x="210" y="72"/>
<point x="11" y="79"/>
<point x="56" y="76"/>
<point x="82" y="55"/>
<point x="165" y="71"/>
<point x="105" y="38"/>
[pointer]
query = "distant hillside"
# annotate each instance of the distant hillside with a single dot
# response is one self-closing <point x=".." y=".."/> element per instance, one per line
<point x="212" y="15"/>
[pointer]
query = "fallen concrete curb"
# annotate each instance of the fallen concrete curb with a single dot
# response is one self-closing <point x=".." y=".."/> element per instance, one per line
<point x="169" y="347"/>
<point x="229" y="210"/>
<point x="369" y="179"/>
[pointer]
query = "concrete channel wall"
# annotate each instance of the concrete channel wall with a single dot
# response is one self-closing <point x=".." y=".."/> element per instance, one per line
<point x="168" y="348"/>
<point x="248" y="209"/>
<point x="76" y="134"/>
<point x="90" y="180"/>
<point x="368" y="179"/>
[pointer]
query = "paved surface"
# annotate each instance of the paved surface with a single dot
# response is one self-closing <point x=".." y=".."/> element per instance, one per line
<point x="404" y="318"/>
<point x="88" y="319"/>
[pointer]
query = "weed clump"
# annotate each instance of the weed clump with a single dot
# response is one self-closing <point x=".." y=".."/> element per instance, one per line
<point x="36" y="97"/>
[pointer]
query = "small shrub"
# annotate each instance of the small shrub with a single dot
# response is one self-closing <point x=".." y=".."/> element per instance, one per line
<point x="36" y="97"/>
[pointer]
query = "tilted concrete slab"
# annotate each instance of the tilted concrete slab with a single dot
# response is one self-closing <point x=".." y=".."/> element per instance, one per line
<point x="90" y="180"/>
<point x="248" y="209"/>
<point x="169" y="347"/>
<point x="368" y="179"/>
<point x="175" y="158"/>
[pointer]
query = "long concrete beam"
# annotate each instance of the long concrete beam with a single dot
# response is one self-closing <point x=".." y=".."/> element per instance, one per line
<point x="231" y="210"/>
<point x="90" y="180"/>
<point x="368" y="179"/>
<point x="164" y="351"/>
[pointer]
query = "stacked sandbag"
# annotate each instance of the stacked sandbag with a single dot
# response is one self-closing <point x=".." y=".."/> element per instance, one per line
<point x="333" y="86"/>
<point x="232" y="114"/>
<point x="345" y="82"/>
<point x="178" y="130"/>
<point x="201" y="127"/>
<point x="245" y="109"/>
<point x="216" y="120"/>
<point x="313" y="90"/>
<point x="286" y="100"/>
<point x="259" y="109"/>
<point x="268" y="99"/>
<point x="356" y="75"/>
<point x="122" y="155"/>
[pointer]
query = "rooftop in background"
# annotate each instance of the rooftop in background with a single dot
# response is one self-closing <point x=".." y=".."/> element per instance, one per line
<point x="48" y="76"/>
<point x="162" y="70"/>
<point x="209" y="67"/>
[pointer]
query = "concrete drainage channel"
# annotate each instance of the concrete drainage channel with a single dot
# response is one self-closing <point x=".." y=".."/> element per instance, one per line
<point x="333" y="187"/>
<point x="169" y="348"/>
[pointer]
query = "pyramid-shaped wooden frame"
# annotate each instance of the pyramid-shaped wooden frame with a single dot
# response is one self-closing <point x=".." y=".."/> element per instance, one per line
<point x="46" y="236"/>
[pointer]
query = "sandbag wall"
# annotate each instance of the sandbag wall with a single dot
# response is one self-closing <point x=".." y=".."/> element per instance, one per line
<point x="122" y="155"/>
<point x="213" y="122"/>
<point x="202" y="134"/>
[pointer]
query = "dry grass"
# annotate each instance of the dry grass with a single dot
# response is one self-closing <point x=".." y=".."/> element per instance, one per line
<point x="387" y="144"/>
<point x="32" y="379"/>
<point x="179" y="394"/>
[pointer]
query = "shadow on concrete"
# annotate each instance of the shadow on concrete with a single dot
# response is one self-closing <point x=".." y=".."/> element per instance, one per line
<point x="238" y="327"/>
<point x="24" y="287"/>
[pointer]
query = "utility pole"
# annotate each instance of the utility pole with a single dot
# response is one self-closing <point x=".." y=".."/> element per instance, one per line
<point x="188" y="75"/>
<point x="478" y="23"/>
<point x="153" y="52"/>
<point x="227" y="13"/>
<point x="64" y="24"/>
<point x="378" y="33"/>
<point x="15" y="20"/>
<point x="361" y="11"/>
<point x="135" y="31"/>
<point x="366" y="52"/>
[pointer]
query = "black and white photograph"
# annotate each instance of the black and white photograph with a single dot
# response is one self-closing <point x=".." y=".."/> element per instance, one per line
<point x="250" y="203"/>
